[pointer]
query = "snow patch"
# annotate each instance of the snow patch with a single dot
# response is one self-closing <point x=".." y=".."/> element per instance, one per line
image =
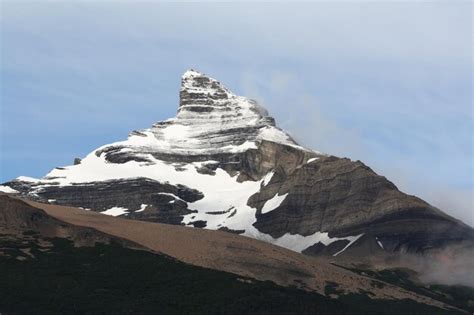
<point x="7" y="189"/>
<point x="351" y="240"/>
<point x="273" y="203"/>
<point x="240" y="148"/>
<point x="312" y="160"/>
<point x="115" y="211"/>
<point x="299" y="243"/>
<point x="176" y="132"/>
<point x="268" y="178"/>
<point x="142" y="207"/>
<point x="274" y="134"/>
<point x="379" y="242"/>
<point x="27" y="179"/>
<point x="172" y="195"/>
<point x="191" y="73"/>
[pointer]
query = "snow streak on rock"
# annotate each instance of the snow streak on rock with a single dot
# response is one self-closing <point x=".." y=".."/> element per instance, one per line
<point x="273" y="203"/>
<point x="115" y="211"/>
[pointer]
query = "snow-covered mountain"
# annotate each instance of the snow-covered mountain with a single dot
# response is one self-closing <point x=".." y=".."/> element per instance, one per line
<point x="222" y="163"/>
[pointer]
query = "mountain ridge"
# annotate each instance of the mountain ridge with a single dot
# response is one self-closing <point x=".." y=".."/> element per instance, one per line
<point x="222" y="164"/>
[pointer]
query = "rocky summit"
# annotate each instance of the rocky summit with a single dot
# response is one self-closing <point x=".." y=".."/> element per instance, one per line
<point x="223" y="164"/>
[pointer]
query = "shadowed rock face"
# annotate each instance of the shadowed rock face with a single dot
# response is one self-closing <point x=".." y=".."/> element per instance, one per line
<point x="343" y="198"/>
<point x="172" y="173"/>
<point x="125" y="193"/>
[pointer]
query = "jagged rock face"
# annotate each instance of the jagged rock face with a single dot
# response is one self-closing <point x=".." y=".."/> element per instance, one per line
<point x="211" y="122"/>
<point x="222" y="163"/>
<point x="344" y="198"/>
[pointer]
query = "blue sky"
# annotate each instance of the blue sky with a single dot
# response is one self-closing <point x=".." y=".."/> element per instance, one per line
<point x="387" y="83"/>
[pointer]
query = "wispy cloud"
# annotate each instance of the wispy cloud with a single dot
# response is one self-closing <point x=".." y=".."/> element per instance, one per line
<point x="425" y="152"/>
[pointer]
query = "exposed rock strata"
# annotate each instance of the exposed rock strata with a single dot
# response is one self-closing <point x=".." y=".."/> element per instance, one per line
<point x="222" y="159"/>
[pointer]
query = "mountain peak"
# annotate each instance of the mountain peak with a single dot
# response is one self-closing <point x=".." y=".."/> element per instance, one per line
<point x="221" y="163"/>
<point x="200" y="89"/>
<point x="191" y="73"/>
<point x="215" y="117"/>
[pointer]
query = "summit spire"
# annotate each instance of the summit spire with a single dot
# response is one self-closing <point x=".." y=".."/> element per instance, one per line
<point x="200" y="89"/>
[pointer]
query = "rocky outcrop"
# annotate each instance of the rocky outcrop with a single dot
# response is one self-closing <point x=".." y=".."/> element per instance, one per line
<point x="142" y="197"/>
<point x="343" y="198"/>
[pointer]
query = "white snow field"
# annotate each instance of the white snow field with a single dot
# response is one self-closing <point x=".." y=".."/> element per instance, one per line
<point x="7" y="189"/>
